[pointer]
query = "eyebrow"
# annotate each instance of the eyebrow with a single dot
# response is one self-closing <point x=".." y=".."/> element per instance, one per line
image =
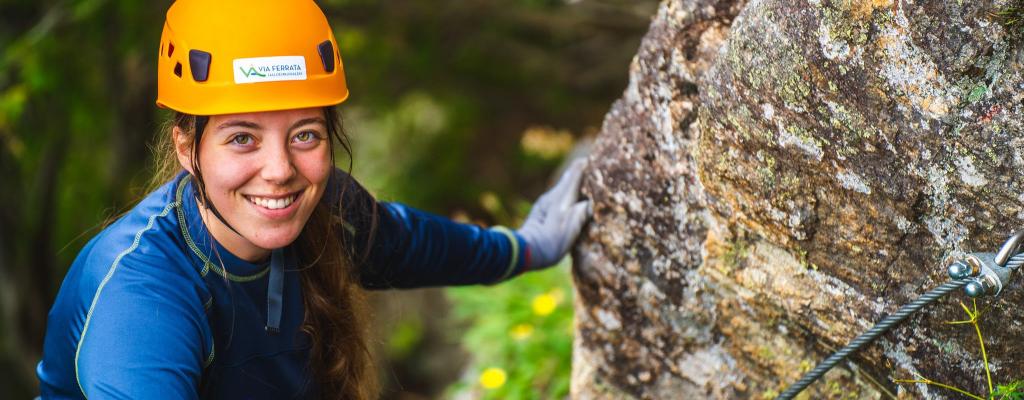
<point x="238" y="123"/>
<point x="253" y="125"/>
<point x="304" y="121"/>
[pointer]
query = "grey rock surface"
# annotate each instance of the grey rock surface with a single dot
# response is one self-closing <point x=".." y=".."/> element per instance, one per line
<point x="778" y="176"/>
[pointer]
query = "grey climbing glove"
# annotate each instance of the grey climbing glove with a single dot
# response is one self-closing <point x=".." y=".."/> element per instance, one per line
<point x="556" y="219"/>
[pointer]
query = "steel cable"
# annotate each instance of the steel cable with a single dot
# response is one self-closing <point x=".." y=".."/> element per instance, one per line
<point x="1015" y="261"/>
<point x="867" y="337"/>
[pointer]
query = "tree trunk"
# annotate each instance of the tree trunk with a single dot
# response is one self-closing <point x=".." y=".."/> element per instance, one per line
<point x="781" y="174"/>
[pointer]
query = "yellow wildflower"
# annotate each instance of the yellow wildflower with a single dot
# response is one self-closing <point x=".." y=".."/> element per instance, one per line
<point x="493" y="378"/>
<point x="544" y="304"/>
<point x="521" y="331"/>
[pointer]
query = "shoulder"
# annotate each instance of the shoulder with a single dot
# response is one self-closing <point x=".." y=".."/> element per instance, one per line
<point x="134" y="274"/>
<point x="356" y="208"/>
<point x="144" y="317"/>
<point x="347" y="196"/>
<point x="144" y="246"/>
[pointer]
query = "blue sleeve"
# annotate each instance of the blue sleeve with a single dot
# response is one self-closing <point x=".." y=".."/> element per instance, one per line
<point x="142" y="337"/>
<point x="413" y="248"/>
<point x="397" y="246"/>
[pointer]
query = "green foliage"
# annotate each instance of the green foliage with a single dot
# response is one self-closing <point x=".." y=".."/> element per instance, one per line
<point x="511" y="327"/>
<point x="1010" y="391"/>
<point x="1010" y="16"/>
<point x="403" y="339"/>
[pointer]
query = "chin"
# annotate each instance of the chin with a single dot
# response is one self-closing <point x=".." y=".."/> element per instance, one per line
<point x="271" y="239"/>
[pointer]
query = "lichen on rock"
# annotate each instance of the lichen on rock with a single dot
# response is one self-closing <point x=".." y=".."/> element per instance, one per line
<point x="781" y="174"/>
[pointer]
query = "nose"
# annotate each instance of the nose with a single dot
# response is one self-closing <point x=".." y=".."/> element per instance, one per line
<point x="277" y="165"/>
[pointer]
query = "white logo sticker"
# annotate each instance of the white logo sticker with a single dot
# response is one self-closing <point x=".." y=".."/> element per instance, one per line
<point x="269" y="69"/>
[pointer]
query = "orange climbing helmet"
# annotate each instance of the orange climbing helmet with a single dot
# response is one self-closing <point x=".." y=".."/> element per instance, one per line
<point x="233" y="56"/>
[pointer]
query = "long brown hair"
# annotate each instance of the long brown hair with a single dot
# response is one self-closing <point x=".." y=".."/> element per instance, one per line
<point x="337" y="316"/>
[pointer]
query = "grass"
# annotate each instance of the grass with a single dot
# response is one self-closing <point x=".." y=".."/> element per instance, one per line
<point x="1011" y="16"/>
<point x="1010" y="391"/>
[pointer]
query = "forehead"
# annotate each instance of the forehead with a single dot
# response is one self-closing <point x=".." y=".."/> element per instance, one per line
<point x="268" y="119"/>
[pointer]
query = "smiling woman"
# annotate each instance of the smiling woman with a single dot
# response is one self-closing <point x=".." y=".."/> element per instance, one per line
<point x="272" y="168"/>
<point x="248" y="190"/>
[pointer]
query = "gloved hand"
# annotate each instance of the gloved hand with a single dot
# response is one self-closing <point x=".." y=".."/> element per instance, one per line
<point x="556" y="219"/>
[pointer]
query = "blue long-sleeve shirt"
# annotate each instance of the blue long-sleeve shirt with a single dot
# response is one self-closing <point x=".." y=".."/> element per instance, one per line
<point x="147" y="311"/>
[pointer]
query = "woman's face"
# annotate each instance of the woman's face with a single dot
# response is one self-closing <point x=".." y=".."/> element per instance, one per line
<point x="265" y="173"/>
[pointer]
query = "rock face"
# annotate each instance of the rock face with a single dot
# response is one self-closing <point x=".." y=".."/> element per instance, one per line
<point x="779" y="175"/>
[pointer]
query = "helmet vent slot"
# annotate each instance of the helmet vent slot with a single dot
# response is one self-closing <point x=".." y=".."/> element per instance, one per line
<point x="170" y="49"/>
<point x="199" y="64"/>
<point x="326" y="51"/>
<point x="177" y="70"/>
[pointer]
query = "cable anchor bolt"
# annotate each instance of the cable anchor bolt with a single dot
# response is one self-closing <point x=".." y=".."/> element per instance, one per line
<point x="988" y="277"/>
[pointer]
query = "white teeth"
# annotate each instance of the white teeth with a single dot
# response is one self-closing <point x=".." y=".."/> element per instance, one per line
<point x="272" y="204"/>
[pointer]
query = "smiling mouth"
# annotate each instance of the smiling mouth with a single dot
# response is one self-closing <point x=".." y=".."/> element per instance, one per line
<point x="272" y="203"/>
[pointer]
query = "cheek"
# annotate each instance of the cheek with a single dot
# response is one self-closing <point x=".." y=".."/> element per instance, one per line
<point x="224" y="172"/>
<point x="315" y="166"/>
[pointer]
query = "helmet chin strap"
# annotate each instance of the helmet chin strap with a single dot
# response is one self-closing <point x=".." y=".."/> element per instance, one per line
<point x="278" y="257"/>
<point x="201" y="122"/>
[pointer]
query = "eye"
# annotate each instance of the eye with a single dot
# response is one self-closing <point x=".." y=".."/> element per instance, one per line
<point x="242" y="139"/>
<point x="306" y="136"/>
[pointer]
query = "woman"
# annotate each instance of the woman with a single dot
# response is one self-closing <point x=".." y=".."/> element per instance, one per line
<point x="241" y="276"/>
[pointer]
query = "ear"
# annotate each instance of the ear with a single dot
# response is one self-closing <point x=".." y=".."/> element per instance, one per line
<point x="183" y="148"/>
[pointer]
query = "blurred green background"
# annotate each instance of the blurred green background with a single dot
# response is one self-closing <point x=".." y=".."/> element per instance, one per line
<point x="463" y="108"/>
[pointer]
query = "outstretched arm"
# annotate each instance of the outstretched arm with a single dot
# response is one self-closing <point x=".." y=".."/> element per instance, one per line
<point x="414" y="248"/>
<point x="397" y="246"/>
